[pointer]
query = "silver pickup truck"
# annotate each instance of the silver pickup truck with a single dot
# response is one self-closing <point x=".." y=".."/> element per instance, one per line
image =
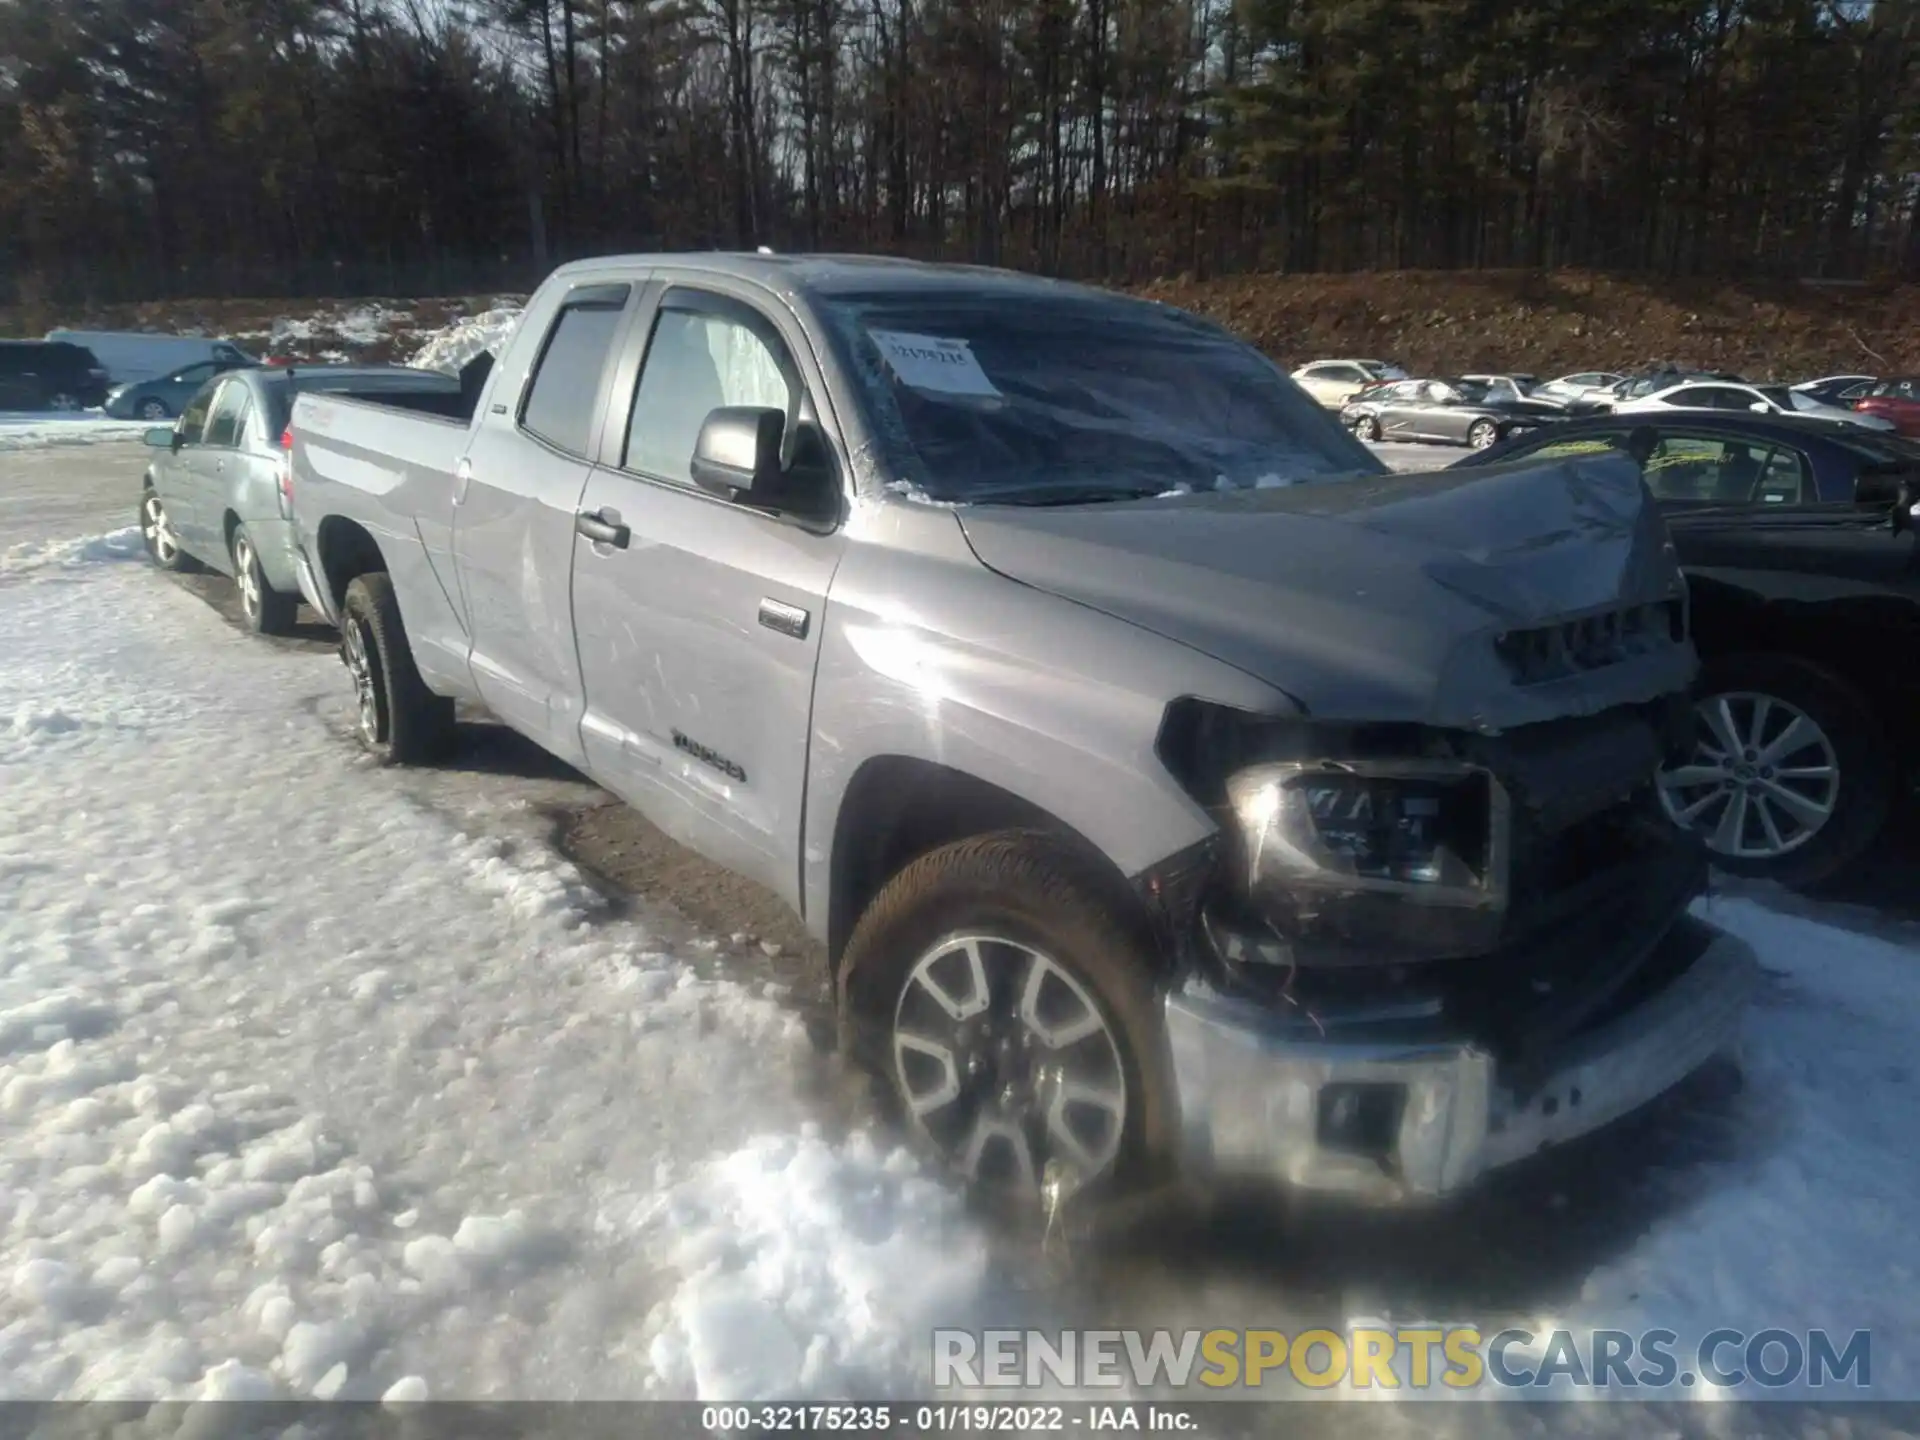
<point x="1175" y="791"/>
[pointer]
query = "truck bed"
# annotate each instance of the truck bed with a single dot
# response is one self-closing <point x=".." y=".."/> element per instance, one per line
<point x="386" y="463"/>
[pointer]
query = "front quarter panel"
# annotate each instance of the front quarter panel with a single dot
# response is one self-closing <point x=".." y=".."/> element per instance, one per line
<point x="927" y="654"/>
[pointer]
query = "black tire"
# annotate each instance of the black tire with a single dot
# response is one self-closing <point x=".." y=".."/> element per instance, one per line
<point x="1026" y="889"/>
<point x="155" y="409"/>
<point x="1483" y="434"/>
<point x="266" y="610"/>
<point x="1366" y="428"/>
<point x="163" y="546"/>
<point x="64" y="400"/>
<point x="1862" y="756"/>
<point x="400" y="721"/>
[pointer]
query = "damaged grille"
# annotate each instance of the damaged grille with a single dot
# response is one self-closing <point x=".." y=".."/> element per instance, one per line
<point x="1593" y="642"/>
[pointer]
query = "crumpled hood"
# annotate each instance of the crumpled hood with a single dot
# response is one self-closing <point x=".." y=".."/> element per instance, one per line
<point x="1379" y="598"/>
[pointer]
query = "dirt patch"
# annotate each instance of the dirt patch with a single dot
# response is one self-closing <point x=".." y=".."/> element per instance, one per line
<point x="1551" y="323"/>
<point x="626" y="853"/>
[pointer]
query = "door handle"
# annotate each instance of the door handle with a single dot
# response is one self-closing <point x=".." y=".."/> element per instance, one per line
<point x="603" y="527"/>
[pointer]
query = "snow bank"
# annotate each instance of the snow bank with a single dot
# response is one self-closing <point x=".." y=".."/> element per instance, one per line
<point x="360" y="327"/>
<point x="450" y="349"/>
<point x="807" y="1270"/>
<point x="122" y="544"/>
<point x="25" y="431"/>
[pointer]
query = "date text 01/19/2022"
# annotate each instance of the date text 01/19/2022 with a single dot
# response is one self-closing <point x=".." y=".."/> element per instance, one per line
<point x="936" y="1419"/>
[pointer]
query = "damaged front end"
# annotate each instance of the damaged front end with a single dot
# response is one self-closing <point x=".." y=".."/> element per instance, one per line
<point x="1413" y="954"/>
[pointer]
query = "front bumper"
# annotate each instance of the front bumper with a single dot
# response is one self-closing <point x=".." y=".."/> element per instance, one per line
<point x="1253" y="1084"/>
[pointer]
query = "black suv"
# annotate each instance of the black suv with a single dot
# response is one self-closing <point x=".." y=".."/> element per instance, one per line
<point x="50" y="375"/>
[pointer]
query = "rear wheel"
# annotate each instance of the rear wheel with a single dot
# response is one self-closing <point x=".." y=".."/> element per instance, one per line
<point x="63" y="400"/>
<point x="1366" y="428"/>
<point x="267" y="610"/>
<point x="1790" y="777"/>
<point x="398" y="719"/>
<point x="1008" y="1007"/>
<point x="1482" y="434"/>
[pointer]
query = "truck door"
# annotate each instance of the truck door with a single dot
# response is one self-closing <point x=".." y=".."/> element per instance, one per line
<point x="514" y="501"/>
<point x="697" y="619"/>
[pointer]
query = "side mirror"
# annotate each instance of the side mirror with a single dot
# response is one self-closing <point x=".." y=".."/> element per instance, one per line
<point x="738" y="451"/>
<point x="161" y="437"/>
<point x="1760" y="407"/>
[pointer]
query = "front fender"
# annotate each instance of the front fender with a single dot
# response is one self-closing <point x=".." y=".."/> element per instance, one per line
<point x="929" y="655"/>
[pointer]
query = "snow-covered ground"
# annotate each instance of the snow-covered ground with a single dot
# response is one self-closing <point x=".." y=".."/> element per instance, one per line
<point x="21" y="430"/>
<point x="303" y="1089"/>
<point x="308" y="1086"/>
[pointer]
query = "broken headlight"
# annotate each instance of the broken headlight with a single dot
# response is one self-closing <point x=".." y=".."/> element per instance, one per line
<point x="1434" y="831"/>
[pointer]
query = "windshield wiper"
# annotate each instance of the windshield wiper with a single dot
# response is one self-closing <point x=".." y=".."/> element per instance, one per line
<point x="1036" y="495"/>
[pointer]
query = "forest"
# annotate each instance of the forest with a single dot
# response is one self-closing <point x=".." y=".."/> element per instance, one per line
<point x="328" y="147"/>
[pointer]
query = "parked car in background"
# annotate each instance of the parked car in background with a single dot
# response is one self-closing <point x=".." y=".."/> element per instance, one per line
<point x="49" y="375"/>
<point x="1334" y="382"/>
<point x="133" y="356"/>
<point x="1130" y="786"/>
<point x="167" y="396"/>
<point x="1797" y="537"/>
<point x="1750" y="399"/>
<point x="1837" y="389"/>
<point x="1508" y="387"/>
<point x="216" y="494"/>
<point x="1586" y="385"/>
<point x="1452" y="412"/>
<point x="1663" y="377"/>
<point x="1895" y="401"/>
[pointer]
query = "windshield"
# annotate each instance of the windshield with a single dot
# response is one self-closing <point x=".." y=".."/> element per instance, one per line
<point x="989" y="395"/>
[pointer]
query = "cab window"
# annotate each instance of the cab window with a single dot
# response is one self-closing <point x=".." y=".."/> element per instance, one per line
<point x="699" y="359"/>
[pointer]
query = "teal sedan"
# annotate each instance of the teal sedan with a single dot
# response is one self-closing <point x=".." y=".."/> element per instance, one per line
<point x="165" y="397"/>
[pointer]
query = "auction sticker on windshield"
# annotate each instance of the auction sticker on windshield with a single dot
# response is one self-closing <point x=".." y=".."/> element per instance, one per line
<point x="929" y="362"/>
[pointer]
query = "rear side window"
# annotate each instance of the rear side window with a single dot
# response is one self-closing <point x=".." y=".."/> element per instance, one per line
<point x="566" y="383"/>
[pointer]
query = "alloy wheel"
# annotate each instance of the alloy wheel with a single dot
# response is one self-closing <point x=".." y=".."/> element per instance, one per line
<point x="355" y="651"/>
<point x="1481" y="436"/>
<point x="153" y="410"/>
<point x="247" y="576"/>
<point x="63" y="401"/>
<point x="1007" y="1064"/>
<point x="157" y="530"/>
<point x="1763" y="778"/>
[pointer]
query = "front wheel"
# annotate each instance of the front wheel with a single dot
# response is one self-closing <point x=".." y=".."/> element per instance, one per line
<point x="157" y="533"/>
<point x="155" y="410"/>
<point x="1789" y="778"/>
<point x="1483" y="434"/>
<point x="398" y="720"/>
<point x="267" y="610"/>
<point x="1008" y="1005"/>
<point x="63" y="401"/>
<point x="1366" y="428"/>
